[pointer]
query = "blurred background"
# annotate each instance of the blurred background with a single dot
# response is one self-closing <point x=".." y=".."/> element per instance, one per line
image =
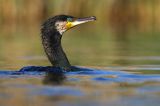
<point x="126" y="32"/>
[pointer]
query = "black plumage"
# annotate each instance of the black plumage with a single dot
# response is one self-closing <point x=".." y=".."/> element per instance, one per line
<point x="51" y="40"/>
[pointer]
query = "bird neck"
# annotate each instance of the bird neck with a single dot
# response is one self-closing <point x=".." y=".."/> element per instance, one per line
<point x="53" y="48"/>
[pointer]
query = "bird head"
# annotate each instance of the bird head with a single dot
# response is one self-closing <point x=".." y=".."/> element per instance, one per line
<point x="51" y="33"/>
<point x="62" y="23"/>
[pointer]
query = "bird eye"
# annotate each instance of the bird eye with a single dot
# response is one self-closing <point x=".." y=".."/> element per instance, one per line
<point x="69" y="19"/>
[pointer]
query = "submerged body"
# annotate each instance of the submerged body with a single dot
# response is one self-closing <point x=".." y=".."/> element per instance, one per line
<point x="52" y="31"/>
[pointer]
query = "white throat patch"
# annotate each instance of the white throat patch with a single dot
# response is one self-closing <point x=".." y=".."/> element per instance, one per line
<point x="61" y="26"/>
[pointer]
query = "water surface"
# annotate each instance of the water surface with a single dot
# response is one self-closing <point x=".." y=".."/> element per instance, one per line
<point x="112" y="72"/>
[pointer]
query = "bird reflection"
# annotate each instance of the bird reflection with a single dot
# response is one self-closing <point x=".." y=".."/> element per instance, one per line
<point x="54" y="78"/>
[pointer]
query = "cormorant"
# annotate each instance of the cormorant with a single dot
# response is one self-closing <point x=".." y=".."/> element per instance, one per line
<point x="51" y="34"/>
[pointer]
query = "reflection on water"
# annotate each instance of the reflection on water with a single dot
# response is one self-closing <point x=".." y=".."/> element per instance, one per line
<point x="87" y="87"/>
<point x="54" y="78"/>
<point x="128" y="70"/>
<point x="120" y="52"/>
<point x="121" y="58"/>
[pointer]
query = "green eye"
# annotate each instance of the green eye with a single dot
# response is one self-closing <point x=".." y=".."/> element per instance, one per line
<point x="69" y="19"/>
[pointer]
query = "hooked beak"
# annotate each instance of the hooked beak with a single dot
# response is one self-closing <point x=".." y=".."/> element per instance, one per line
<point x="83" y="20"/>
<point x="78" y="21"/>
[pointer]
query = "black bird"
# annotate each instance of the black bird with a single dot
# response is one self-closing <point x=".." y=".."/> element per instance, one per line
<point x="51" y="33"/>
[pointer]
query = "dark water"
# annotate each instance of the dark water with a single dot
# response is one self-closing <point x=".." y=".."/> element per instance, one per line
<point x="113" y="71"/>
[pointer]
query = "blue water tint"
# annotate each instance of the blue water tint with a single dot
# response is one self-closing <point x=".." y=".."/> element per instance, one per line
<point x="96" y="74"/>
<point x="81" y="87"/>
<point x="36" y="90"/>
<point x="56" y="91"/>
<point x="116" y="76"/>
